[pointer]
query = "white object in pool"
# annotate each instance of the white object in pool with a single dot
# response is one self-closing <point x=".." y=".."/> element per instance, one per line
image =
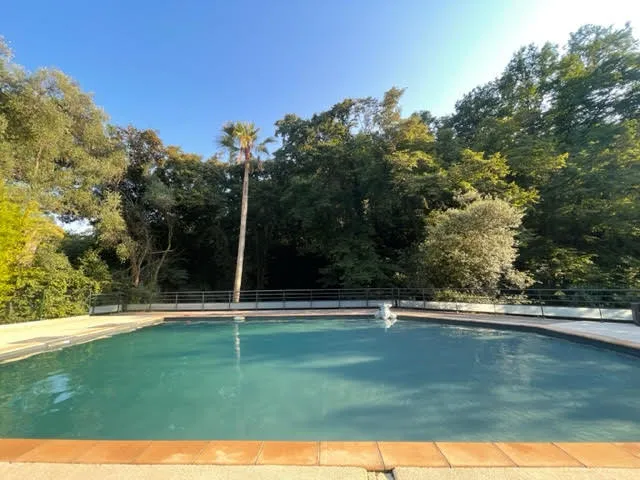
<point x="238" y="319"/>
<point x="384" y="313"/>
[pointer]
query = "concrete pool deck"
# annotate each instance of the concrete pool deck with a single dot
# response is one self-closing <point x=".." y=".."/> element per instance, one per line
<point x="48" y="471"/>
<point x="19" y="340"/>
<point x="33" y="458"/>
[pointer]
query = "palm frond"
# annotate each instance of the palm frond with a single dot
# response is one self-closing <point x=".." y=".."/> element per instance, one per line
<point x="228" y="140"/>
<point x="239" y="139"/>
<point x="262" y="146"/>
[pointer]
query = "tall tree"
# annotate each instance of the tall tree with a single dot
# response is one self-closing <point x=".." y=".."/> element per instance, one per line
<point x="56" y="155"/>
<point x="241" y="141"/>
<point x="55" y="146"/>
<point x="137" y="216"/>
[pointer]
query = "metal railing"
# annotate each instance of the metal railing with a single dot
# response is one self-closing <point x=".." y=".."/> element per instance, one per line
<point x="573" y="297"/>
<point x="352" y="297"/>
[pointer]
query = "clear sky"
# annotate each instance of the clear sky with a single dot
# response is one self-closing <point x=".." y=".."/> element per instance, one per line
<point x="184" y="67"/>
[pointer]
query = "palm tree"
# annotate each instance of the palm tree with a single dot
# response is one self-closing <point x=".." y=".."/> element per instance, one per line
<point x="240" y="139"/>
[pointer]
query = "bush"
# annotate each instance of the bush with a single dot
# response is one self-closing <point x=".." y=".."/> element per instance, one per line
<point x="471" y="248"/>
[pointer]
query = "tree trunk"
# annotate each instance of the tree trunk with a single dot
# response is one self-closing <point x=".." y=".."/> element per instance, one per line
<point x="137" y="261"/>
<point x="135" y="273"/>
<point x="135" y="269"/>
<point x="163" y="257"/>
<point x="243" y="230"/>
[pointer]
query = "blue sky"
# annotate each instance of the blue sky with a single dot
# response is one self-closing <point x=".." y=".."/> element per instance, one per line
<point x="185" y="67"/>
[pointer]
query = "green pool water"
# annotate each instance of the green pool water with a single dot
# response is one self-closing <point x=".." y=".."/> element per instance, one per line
<point x="324" y="379"/>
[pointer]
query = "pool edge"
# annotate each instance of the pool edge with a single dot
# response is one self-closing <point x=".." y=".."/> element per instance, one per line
<point x="508" y="322"/>
<point x="74" y="339"/>
<point x="528" y="325"/>
<point x="372" y="456"/>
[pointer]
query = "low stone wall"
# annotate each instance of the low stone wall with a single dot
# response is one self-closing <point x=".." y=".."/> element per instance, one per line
<point x="584" y="313"/>
<point x="260" y="305"/>
<point x="105" y="309"/>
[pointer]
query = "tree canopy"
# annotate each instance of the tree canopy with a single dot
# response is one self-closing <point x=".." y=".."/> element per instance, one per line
<point x="534" y="179"/>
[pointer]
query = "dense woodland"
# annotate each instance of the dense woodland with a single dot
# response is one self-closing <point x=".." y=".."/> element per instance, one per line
<point x="533" y="180"/>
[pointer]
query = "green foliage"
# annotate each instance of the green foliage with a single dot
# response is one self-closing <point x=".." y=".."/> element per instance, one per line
<point x="137" y="218"/>
<point x="50" y="288"/>
<point x="470" y="296"/>
<point x="92" y="266"/>
<point x="565" y="120"/>
<point x="567" y="267"/>
<point x="486" y="176"/>
<point x="12" y="243"/>
<point x="359" y="195"/>
<point x="36" y="278"/>
<point x="473" y="247"/>
<point x="54" y="141"/>
<point x="23" y="229"/>
<point x="240" y="139"/>
<point x="56" y="155"/>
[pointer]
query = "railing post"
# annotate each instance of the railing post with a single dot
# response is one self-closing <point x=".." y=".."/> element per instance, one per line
<point x="540" y="303"/>
<point x="416" y="297"/>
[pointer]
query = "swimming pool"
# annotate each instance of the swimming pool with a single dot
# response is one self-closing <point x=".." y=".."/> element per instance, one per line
<point x="324" y="379"/>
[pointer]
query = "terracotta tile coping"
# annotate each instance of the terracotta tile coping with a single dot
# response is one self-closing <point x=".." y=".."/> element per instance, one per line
<point x="374" y="456"/>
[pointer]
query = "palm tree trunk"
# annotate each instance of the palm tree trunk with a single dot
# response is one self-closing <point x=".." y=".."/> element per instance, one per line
<point x="243" y="231"/>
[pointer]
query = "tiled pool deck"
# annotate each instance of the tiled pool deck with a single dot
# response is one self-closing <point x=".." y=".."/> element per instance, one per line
<point x="20" y="340"/>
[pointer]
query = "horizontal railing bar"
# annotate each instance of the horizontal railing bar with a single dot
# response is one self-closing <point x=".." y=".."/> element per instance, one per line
<point x="546" y="297"/>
